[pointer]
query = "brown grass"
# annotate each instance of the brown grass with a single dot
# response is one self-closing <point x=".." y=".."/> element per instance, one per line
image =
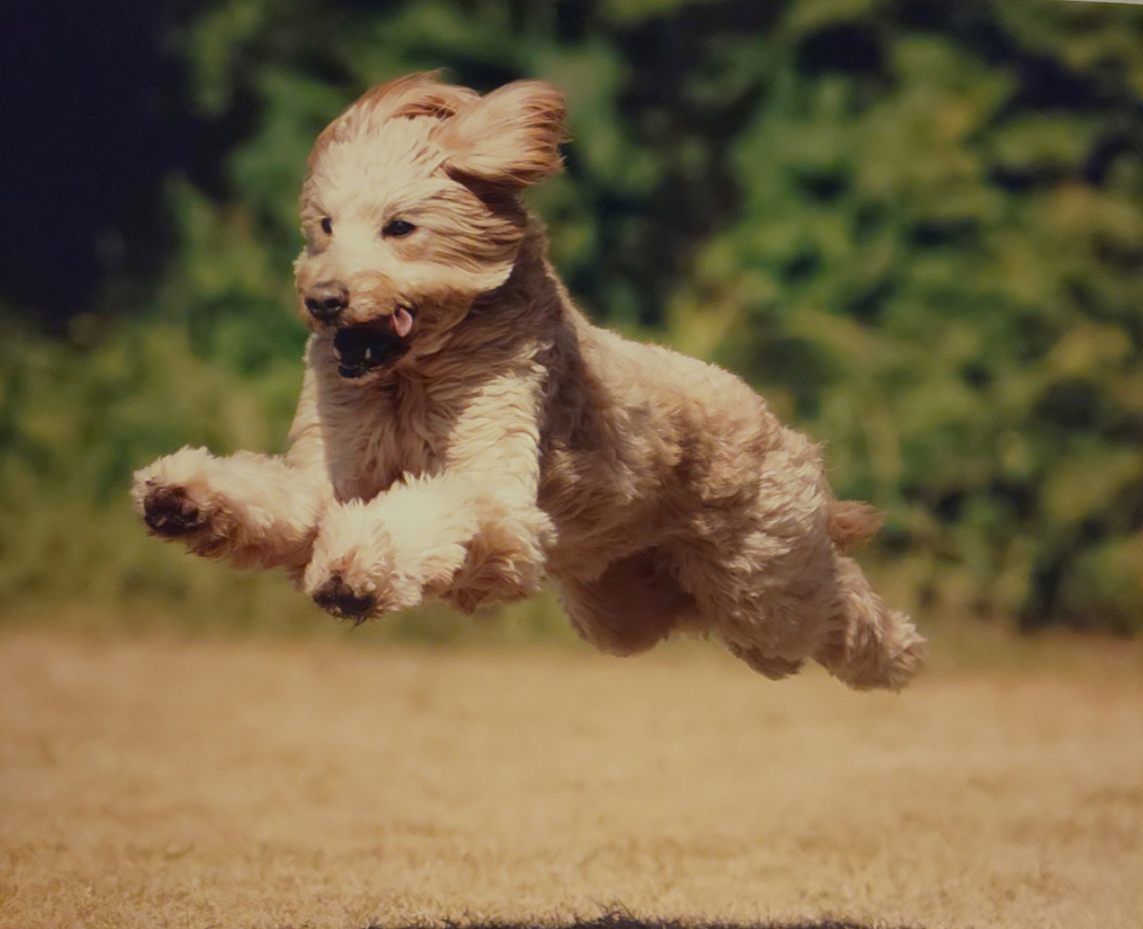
<point x="233" y="784"/>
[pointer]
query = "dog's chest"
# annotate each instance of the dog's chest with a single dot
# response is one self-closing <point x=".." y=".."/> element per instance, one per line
<point x="375" y="444"/>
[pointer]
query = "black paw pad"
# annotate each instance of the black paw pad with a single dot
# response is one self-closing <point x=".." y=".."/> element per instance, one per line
<point x="168" y="511"/>
<point x="338" y="598"/>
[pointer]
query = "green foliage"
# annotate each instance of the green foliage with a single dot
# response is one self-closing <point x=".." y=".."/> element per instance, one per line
<point x="916" y="227"/>
<point x="75" y="425"/>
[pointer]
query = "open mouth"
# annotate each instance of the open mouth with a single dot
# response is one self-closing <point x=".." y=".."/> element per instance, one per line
<point x="364" y="347"/>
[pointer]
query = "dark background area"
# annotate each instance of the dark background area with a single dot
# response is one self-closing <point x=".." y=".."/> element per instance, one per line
<point x="95" y="118"/>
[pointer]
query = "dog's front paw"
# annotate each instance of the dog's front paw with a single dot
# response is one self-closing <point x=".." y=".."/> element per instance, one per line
<point x="343" y="601"/>
<point x="175" y="500"/>
<point x="349" y="588"/>
<point x="170" y="511"/>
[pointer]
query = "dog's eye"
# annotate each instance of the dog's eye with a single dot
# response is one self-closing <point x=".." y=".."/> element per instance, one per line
<point x="397" y="228"/>
<point x="327" y="225"/>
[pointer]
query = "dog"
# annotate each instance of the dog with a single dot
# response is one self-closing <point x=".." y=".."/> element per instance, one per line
<point x="464" y="432"/>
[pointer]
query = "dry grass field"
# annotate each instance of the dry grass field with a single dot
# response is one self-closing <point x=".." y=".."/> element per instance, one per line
<point x="313" y="784"/>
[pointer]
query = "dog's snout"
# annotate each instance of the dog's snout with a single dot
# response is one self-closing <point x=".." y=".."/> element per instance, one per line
<point x="326" y="300"/>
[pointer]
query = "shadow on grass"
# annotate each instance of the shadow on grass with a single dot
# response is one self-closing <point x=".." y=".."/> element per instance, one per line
<point x="624" y="921"/>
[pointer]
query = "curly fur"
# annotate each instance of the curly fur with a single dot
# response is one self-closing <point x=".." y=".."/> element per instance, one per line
<point x="509" y="439"/>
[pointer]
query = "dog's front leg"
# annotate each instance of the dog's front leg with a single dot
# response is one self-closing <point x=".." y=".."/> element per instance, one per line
<point x="251" y="509"/>
<point x="450" y="536"/>
<point x="472" y="533"/>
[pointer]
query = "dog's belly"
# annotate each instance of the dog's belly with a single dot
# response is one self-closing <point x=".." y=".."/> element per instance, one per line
<point x="600" y="518"/>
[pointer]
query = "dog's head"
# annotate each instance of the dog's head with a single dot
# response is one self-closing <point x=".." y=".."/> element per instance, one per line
<point x="411" y="211"/>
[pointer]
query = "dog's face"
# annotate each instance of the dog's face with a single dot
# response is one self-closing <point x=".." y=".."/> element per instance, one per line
<point x="411" y="211"/>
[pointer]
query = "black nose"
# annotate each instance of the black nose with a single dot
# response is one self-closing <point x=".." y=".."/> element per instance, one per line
<point x="326" y="300"/>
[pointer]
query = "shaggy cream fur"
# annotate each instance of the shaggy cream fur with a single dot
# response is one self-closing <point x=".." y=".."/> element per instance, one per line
<point x="463" y="431"/>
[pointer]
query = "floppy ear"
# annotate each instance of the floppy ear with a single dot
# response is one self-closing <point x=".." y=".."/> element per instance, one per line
<point x="509" y="138"/>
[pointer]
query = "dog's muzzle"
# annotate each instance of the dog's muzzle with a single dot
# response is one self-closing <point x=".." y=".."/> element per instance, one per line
<point x="377" y="344"/>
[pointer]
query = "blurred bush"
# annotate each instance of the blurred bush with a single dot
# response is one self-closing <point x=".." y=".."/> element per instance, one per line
<point x="917" y="227"/>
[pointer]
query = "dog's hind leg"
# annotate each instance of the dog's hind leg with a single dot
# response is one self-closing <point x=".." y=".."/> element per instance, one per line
<point x="811" y="602"/>
<point x="869" y="645"/>
<point x="635" y="603"/>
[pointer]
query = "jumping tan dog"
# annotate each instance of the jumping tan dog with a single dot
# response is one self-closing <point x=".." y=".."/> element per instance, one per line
<point x="463" y="431"/>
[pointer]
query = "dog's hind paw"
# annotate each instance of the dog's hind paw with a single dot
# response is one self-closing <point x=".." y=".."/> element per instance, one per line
<point x="169" y="511"/>
<point x="337" y="597"/>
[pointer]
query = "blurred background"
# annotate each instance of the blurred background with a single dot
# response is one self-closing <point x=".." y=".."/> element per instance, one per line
<point x="916" y="227"/>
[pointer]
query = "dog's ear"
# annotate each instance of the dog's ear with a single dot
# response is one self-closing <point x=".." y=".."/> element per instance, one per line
<point x="509" y="138"/>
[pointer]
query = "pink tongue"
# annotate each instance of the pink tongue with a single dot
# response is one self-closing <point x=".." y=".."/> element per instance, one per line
<point x="401" y="321"/>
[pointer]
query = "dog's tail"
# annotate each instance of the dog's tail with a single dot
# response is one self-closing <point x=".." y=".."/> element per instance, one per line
<point x="852" y="522"/>
<point x="871" y="646"/>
